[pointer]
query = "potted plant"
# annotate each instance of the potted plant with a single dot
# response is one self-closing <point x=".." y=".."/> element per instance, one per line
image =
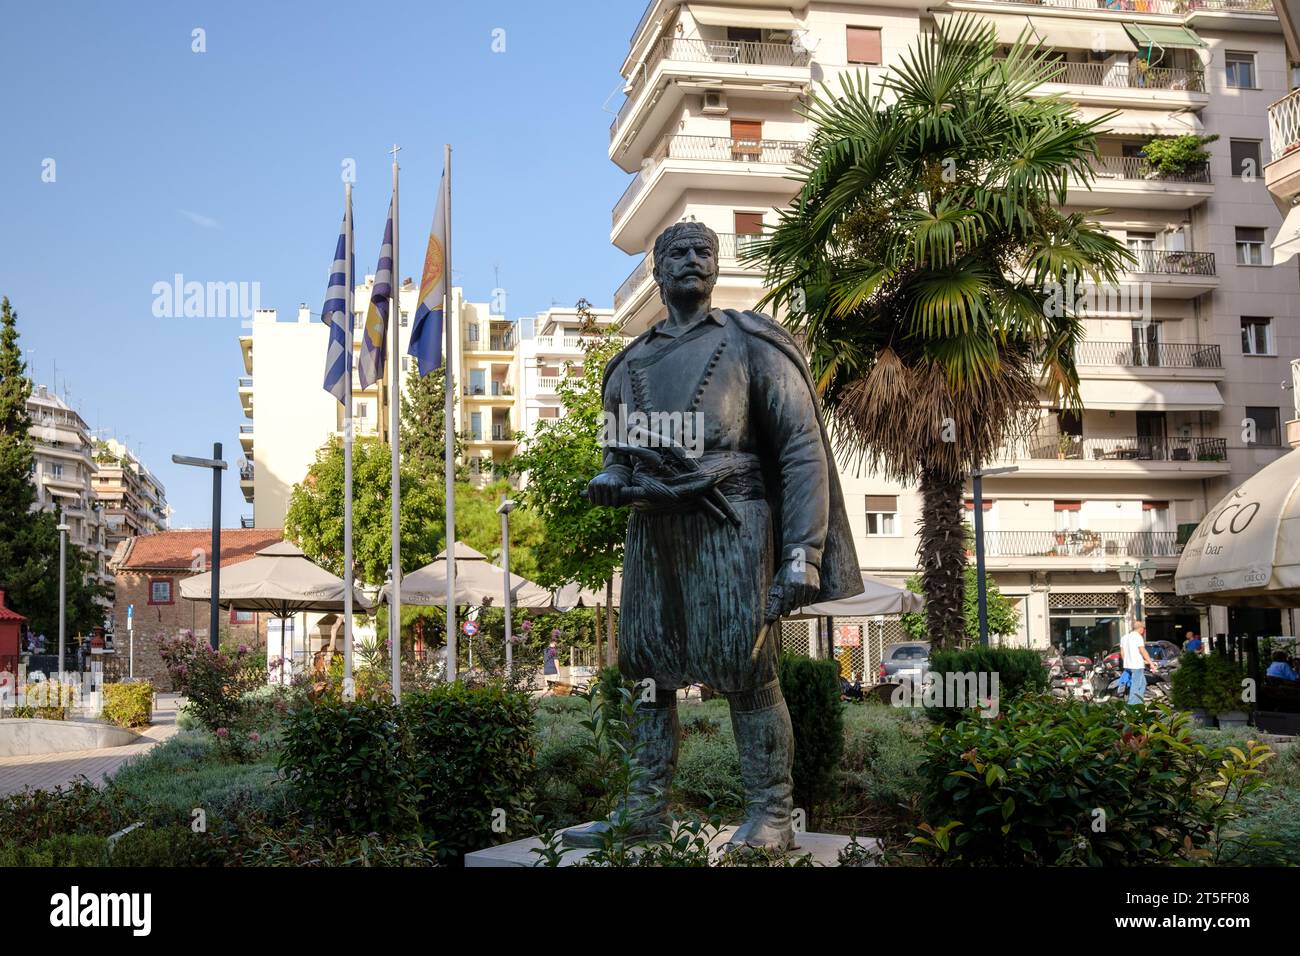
<point x="1176" y="155"/>
<point x="1064" y="443"/>
<point x="1221" y="695"/>
<point x="1187" y="688"/>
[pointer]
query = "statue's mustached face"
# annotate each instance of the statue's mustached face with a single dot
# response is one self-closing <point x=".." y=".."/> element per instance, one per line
<point x="689" y="268"/>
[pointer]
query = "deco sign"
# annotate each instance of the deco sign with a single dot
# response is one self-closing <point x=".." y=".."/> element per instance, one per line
<point x="1233" y="518"/>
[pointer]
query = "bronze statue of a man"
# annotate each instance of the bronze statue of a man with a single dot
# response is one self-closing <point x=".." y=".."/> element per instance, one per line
<point x="737" y="518"/>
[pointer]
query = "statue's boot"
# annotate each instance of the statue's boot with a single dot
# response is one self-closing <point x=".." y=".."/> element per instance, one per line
<point x="658" y="732"/>
<point x="765" y="739"/>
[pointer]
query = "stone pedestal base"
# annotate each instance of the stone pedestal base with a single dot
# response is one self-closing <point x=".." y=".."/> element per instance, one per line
<point x="823" y="847"/>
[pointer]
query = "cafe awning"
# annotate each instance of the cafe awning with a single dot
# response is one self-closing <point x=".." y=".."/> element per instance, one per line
<point x="715" y="16"/>
<point x="1136" y="396"/>
<point x="1246" y="551"/>
<point x="1164" y="37"/>
<point x="1287" y="243"/>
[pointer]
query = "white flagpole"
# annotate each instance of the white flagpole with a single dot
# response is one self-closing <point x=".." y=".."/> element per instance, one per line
<point x="448" y="415"/>
<point x="347" y="459"/>
<point x="394" y="436"/>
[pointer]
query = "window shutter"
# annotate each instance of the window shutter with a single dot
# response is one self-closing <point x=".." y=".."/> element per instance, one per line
<point x="749" y="223"/>
<point x="1067" y="505"/>
<point x="885" y="503"/>
<point x="864" y="45"/>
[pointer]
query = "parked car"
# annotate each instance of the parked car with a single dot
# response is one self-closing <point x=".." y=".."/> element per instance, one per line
<point x="905" y="661"/>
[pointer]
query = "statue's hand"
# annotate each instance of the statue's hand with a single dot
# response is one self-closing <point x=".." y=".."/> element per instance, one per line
<point x="605" y="489"/>
<point x="795" y="585"/>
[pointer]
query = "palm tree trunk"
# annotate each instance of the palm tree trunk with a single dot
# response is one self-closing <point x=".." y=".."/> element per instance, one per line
<point x="943" y="558"/>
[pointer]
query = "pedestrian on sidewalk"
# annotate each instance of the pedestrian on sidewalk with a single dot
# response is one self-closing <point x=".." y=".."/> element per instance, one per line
<point x="1136" y="660"/>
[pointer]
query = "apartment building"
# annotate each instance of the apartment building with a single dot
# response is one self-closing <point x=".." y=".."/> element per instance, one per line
<point x="291" y="416"/>
<point x="1183" y="367"/>
<point x="131" y="499"/>
<point x="63" y="472"/>
<point x="550" y="349"/>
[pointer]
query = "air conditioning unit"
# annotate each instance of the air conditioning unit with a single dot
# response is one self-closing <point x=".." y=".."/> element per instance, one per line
<point x="715" y="102"/>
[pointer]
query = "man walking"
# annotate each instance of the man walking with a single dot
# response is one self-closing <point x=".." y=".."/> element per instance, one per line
<point x="1136" y="660"/>
<point x="550" y="669"/>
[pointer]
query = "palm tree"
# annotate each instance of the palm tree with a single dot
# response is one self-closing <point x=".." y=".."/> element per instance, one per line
<point x="928" y="270"/>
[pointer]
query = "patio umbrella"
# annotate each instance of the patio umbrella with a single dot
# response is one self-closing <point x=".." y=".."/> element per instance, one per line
<point x="876" y="598"/>
<point x="1246" y="551"/>
<point x="573" y="595"/>
<point x="280" y="580"/>
<point x="479" y="583"/>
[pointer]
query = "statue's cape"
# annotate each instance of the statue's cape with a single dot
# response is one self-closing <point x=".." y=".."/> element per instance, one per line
<point x="841" y="576"/>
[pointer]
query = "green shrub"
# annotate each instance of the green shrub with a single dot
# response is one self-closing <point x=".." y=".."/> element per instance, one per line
<point x="163" y="846"/>
<point x="63" y="849"/>
<point x="1221" y="691"/>
<point x="352" y="766"/>
<point x="1019" y="671"/>
<point x="128" y="705"/>
<point x="214" y="684"/>
<point x="1057" y="782"/>
<point x="31" y="816"/>
<point x="812" y="692"/>
<point x="474" y="752"/>
<point x="708" y="773"/>
<point x="884" y="748"/>
<point x="307" y="844"/>
<point x="188" y="772"/>
<point x="1187" y="684"/>
<point x="42" y="713"/>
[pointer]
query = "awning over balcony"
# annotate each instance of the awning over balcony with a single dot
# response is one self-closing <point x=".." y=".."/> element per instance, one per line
<point x="1144" y="122"/>
<point x="1246" y="552"/>
<point x="714" y="16"/>
<point x="1287" y="243"/>
<point x="1164" y="38"/>
<point x="1060" y="34"/>
<point x="1133" y="396"/>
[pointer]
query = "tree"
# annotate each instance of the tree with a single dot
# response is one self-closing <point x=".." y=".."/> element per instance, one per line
<point x="315" y="517"/>
<point x="577" y="542"/>
<point x="29" y="544"/>
<point x="423" y="423"/>
<point x="1001" y="610"/>
<point x="926" y="266"/>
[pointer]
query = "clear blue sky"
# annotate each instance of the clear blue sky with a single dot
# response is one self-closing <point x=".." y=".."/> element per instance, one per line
<point x="225" y="166"/>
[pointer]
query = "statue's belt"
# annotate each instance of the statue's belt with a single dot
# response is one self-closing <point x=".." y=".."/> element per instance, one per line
<point x="744" y="483"/>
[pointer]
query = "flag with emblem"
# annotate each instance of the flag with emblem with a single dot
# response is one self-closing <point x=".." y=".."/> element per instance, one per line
<point x="336" y="314"/>
<point x="426" y="333"/>
<point x="370" y="368"/>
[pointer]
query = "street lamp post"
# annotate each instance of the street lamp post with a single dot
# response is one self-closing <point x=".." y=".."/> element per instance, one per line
<point x="1136" y="575"/>
<point x="977" y="482"/>
<point x="217" y="466"/>
<point x="63" y="591"/>
<point x="504" y="509"/>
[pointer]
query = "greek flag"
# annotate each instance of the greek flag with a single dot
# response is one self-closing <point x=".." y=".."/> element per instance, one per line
<point x="371" y="366"/>
<point x="336" y="314"/>
<point x="426" y="333"/>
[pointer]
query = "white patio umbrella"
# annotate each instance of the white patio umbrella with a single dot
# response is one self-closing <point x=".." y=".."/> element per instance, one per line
<point x="573" y="595"/>
<point x="1246" y="551"/>
<point x="479" y="583"/>
<point x="279" y="579"/>
<point x="876" y="598"/>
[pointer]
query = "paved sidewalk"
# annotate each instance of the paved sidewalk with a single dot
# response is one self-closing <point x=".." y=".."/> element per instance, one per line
<point x="54" y="770"/>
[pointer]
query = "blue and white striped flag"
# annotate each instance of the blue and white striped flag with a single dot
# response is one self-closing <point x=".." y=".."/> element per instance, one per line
<point x="336" y="314"/>
<point x="426" y="333"/>
<point x="375" y="335"/>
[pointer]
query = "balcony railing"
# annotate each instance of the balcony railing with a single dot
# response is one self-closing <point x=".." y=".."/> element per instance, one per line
<point x="1135" y="167"/>
<point x="1124" y="448"/>
<point x="777" y="152"/>
<point x="245" y="383"/>
<point x="501" y="433"/>
<point x="245" y="429"/>
<point x="1162" y="262"/>
<point x="495" y="389"/>
<point x="1149" y="355"/>
<point x="559" y="341"/>
<point x="1284" y="125"/>
<point x="246" y="472"/>
<point x="245" y="522"/>
<point x="1171" y="7"/>
<point x="549" y="383"/>
<point x="1128" y="76"/>
<point x="1082" y="544"/>
<point x="740" y="53"/>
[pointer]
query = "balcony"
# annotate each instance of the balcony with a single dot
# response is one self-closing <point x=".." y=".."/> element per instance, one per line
<point x="1120" y="456"/>
<point x="1179" y="8"/>
<point x="246" y="438"/>
<point x="490" y="391"/>
<point x="246" y="522"/>
<point x="1282" y="174"/>
<point x="1149" y="361"/>
<point x="716" y="163"/>
<point x="1129" y="181"/>
<point x="657" y="87"/>
<point x="1173" y="274"/>
<point x="549" y="384"/>
<point x="246" y="480"/>
<point x="246" y="395"/>
<point x="1081" y="548"/>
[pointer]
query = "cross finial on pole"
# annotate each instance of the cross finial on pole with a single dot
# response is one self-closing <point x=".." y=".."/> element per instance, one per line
<point x="395" y="151"/>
